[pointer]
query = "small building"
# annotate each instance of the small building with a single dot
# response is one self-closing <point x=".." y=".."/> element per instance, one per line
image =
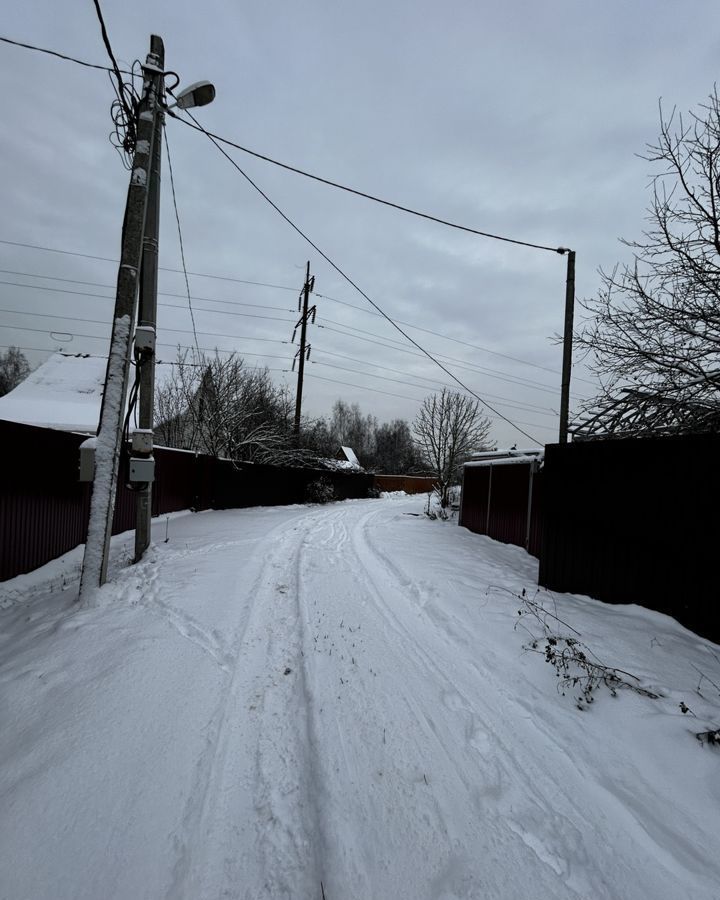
<point x="502" y="496"/>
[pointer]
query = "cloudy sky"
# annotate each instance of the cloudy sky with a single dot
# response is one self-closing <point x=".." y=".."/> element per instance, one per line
<point x="518" y="118"/>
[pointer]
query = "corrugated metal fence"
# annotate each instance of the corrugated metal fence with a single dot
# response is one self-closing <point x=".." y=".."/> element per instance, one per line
<point x="504" y="500"/>
<point x="636" y="521"/>
<point x="44" y="508"/>
<point x="410" y="484"/>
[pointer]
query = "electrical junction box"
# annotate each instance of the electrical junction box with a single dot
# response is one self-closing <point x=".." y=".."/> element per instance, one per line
<point x="145" y="339"/>
<point x="142" y="470"/>
<point x="87" y="462"/>
<point x="142" y="440"/>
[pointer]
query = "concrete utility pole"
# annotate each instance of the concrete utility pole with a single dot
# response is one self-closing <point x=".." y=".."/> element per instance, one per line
<point x="110" y="432"/>
<point x="147" y="314"/>
<point x="303" y="353"/>
<point x="567" y="347"/>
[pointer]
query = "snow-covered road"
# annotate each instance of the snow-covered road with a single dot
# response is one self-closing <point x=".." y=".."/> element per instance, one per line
<point x="283" y="702"/>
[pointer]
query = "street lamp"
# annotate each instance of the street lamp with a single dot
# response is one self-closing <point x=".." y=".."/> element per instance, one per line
<point x="198" y="94"/>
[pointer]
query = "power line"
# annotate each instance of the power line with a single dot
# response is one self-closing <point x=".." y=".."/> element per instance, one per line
<point x="458" y="365"/>
<point x="432" y="381"/>
<point x="343" y="187"/>
<point x="195" y="125"/>
<point x="354" y="306"/>
<point x="106" y="41"/>
<point x="405" y="397"/>
<point x="102" y="338"/>
<point x="359" y="290"/>
<point x="159" y="362"/>
<point x="59" y="317"/>
<point x="180" y="237"/>
<point x="511" y="405"/>
<point x="22" y="312"/>
<point x="520" y="378"/>
<point x="279" y="287"/>
<point x="216" y="312"/>
<point x="56" y="53"/>
<point x="445" y="337"/>
<point x="111" y="287"/>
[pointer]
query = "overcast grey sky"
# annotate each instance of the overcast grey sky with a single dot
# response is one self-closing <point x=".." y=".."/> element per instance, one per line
<point x="519" y="118"/>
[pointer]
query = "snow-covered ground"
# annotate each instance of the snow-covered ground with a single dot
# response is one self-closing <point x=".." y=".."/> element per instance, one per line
<point x="291" y="702"/>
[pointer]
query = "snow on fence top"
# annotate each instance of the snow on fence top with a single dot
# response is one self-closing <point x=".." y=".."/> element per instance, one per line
<point x="511" y="457"/>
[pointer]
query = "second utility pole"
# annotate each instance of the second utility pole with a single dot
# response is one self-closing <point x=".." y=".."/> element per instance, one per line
<point x="303" y="353"/>
<point x="147" y="312"/>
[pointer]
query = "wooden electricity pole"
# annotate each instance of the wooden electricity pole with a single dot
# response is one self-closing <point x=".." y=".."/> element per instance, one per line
<point x="112" y="413"/>
<point x="304" y="351"/>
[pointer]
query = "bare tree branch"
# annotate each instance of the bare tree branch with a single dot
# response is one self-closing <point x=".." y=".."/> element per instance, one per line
<point x="653" y="331"/>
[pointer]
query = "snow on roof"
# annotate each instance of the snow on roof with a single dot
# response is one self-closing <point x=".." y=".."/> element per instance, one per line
<point x="349" y="455"/>
<point x="64" y="393"/>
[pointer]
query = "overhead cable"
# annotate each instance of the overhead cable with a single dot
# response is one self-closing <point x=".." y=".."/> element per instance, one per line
<point x="180" y="236"/>
<point x="56" y="53"/>
<point x="358" y="289"/>
<point x="343" y="187"/>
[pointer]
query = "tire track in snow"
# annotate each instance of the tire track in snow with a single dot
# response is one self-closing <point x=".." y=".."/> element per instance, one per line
<point x="548" y="822"/>
<point x="190" y="871"/>
<point x="493" y="797"/>
<point x="291" y="829"/>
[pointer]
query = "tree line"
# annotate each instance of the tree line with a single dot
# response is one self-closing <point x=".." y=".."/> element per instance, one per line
<point x="222" y="407"/>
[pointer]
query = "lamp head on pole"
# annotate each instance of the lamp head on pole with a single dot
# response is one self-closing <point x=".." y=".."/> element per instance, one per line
<point x="198" y="94"/>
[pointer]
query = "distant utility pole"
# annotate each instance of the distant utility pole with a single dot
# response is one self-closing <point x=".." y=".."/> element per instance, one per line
<point x="304" y="351"/>
<point x="567" y="347"/>
<point x="112" y="413"/>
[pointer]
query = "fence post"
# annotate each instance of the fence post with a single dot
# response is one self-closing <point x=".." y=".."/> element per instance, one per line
<point x="531" y="476"/>
<point x="489" y="500"/>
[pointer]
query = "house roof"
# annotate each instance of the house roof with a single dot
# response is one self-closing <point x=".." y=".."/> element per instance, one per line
<point x="350" y="456"/>
<point x="64" y="393"/>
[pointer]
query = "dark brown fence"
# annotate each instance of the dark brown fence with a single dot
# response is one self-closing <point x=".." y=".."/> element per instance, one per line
<point x="497" y="499"/>
<point x="636" y="521"/>
<point x="411" y="484"/>
<point x="44" y="508"/>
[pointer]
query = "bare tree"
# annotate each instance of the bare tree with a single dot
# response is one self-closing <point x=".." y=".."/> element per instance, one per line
<point x="654" y="329"/>
<point x="395" y="451"/>
<point x="222" y="407"/>
<point x="14" y="368"/>
<point x="447" y="429"/>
